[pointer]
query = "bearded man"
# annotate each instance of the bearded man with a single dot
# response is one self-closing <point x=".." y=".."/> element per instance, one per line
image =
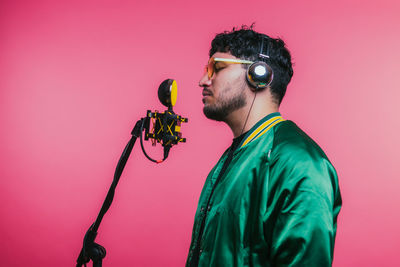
<point x="273" y="197"/>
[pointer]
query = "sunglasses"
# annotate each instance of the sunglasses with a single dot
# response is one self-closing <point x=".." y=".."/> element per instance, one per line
<point x="216" y="63"/>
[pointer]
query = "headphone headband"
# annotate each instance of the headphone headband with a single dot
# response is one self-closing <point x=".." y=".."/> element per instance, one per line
<point x="261" y="55"/>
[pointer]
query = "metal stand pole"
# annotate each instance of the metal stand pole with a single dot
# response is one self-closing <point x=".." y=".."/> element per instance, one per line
<point x="91" y="250"/>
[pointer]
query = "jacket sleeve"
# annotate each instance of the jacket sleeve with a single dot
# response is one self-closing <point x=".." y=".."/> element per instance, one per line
<point x="304" y="205"/>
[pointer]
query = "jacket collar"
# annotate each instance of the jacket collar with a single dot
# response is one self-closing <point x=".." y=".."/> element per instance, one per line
<point x="261" y="128"/>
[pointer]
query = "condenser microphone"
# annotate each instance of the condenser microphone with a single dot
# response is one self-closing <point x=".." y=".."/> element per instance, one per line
<point x="166" y="126"/>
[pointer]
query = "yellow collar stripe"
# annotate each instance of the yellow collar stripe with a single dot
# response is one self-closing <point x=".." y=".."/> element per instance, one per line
<point x="259" y="129"/>
<point x="268" y="128"/>
<point x="262" y="129"/>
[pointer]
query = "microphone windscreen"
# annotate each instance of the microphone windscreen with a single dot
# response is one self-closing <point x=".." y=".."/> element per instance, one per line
<point x="167" y="92"/>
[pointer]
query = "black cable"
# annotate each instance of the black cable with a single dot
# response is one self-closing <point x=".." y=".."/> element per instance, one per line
<point x="255" y="94"/>
<point x="118" y="171"/>
<point x="144" y="151"/>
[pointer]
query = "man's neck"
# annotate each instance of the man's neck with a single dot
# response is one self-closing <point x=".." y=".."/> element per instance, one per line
<point x="240" y="123"/>
<point x="242" y="120"/>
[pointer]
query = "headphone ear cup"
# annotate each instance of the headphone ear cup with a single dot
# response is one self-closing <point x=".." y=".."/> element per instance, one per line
<point x="259" y="75"/>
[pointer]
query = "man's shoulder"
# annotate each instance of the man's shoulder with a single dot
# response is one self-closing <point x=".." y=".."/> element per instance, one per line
<point x="290" y="142"/>
<point x="297" y="160"/>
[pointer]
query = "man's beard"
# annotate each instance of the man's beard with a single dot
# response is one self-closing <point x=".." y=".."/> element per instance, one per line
<point x="225" y="107"/>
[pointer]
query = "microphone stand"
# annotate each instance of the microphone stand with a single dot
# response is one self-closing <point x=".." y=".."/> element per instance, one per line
<point x="91" y="250"/>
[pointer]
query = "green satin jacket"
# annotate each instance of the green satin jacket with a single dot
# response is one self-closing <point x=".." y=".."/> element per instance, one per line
<point x="276" y="204"/>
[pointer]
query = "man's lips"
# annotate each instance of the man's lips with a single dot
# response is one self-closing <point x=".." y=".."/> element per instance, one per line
<point x="206" y="92"/>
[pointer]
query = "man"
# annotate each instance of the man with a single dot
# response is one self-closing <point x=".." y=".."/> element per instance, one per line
<point x="273" y="197"/>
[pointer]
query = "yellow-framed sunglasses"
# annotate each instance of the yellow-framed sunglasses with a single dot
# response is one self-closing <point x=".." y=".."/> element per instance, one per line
<point x="217" y="63"/>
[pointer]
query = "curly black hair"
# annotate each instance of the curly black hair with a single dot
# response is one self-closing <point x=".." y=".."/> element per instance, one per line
<point x="245" y="43"/>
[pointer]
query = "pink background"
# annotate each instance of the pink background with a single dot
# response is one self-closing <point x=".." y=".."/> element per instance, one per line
<point x="76" y="75"/>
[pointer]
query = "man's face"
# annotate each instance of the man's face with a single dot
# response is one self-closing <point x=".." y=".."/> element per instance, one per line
<point x="224" y="92"/>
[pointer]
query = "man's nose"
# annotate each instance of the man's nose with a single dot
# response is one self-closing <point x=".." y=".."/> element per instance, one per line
<point x="205" y="81"/>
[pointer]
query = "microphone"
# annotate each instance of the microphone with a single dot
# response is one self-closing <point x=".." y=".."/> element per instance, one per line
<point x="165" y="126"/>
